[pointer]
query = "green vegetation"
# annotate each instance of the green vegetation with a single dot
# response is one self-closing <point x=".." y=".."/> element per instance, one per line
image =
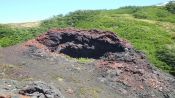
<point x="167" y="54"/>
<point x="80" y="60"/>
<point x="171" y="6"/>
<point x="10" y="36"/>
<point x="84" y="60"/>
<point x="155" y="13"/>
<point x="150" y="29"/>
<point x="91" y="92"/>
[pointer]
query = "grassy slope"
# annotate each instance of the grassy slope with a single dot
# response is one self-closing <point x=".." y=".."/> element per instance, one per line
<point x="149" y="29"/>
<point x="25" y="25"/>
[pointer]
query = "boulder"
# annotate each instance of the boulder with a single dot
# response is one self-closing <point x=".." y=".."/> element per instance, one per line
<point x="40" y="90"/>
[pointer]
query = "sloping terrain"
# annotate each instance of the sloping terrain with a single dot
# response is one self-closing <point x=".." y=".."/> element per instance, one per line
<point x="74" y="79"/>
<point x="25" y="25"/>
<point x="110" y="67"/>
<point x="150" y="29"/>
<point x="120" y="71"/>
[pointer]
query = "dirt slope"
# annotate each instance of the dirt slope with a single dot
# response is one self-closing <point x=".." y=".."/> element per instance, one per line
<point x="117" y="71"/>
<point x="75" y="80"/>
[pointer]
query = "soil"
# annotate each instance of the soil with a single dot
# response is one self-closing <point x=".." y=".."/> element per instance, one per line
<point x="115" y="71"/>
<point x="73" y="79"/>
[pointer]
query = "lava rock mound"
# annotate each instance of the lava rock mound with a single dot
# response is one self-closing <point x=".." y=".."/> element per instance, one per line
<point x="120" y="66"/>
<point x="32" y="89"/>
<point x="39" y="89"/>
<point x="82" y="43"/>
<point x="131" y="74"/>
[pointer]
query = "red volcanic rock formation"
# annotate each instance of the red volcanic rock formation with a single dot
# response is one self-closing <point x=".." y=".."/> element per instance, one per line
<point x="82" y="43"/>
<point x="120" y="66"/>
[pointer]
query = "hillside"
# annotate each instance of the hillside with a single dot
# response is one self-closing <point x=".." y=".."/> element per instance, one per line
<point x="125" y="52"/>
<point x="81" y="63"/>
<point x="24" y="25"/>
<point x="150" y="29"/>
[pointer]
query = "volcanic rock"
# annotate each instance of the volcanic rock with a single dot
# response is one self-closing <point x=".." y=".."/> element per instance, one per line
<point x="82" y="43"/>
<point x="40" y="90"/>
<point x="118" y="64"/>
<point x="131" y="72"/>
<point x="34" y="89"/>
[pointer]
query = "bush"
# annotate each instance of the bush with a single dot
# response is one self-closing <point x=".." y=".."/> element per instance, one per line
<point x="11" y="36"/>
<point x="5" y="31"/>
<point x="167" y="55"/>
<point x="171" y="6"/>
<point x="55" y="22"/>
<point x="154" y="13"/>
<point x="140" y="15"/>
<point x="73" y="18"/>
<point x="127" y="10"/>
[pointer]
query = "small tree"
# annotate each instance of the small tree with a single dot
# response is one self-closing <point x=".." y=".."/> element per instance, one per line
<point x="171" y="6"/>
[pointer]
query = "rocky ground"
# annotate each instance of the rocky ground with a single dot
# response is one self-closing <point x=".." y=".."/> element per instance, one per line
<point x="39" y="68"/>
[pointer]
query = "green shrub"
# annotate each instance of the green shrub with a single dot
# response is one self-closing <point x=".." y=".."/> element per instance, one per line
<point x="141" y="15"/>
<point x="5" y="30"/>
<point x="127" y="10"/>
<point x="167" y="55"/>
<point x="12" y="36"/>
<point x="171" y="6"/>
<point x="154" y="13"/>
<point x="54" y="22"/>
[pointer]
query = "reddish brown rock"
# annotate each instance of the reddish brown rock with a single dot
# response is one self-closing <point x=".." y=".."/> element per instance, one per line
<point x="119" y="65"/>
<point x="82" y="43"/>
<point x="130" y="71"/>
<point x="13" y="96"/>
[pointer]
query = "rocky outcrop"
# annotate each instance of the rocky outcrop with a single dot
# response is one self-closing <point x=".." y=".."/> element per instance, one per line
<point x="131" y="74"/>
<point x="118" y="65"/>
<point x="35" y="89"/>
<point x="82" y="43"/>
<point x="40" y="90"/>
